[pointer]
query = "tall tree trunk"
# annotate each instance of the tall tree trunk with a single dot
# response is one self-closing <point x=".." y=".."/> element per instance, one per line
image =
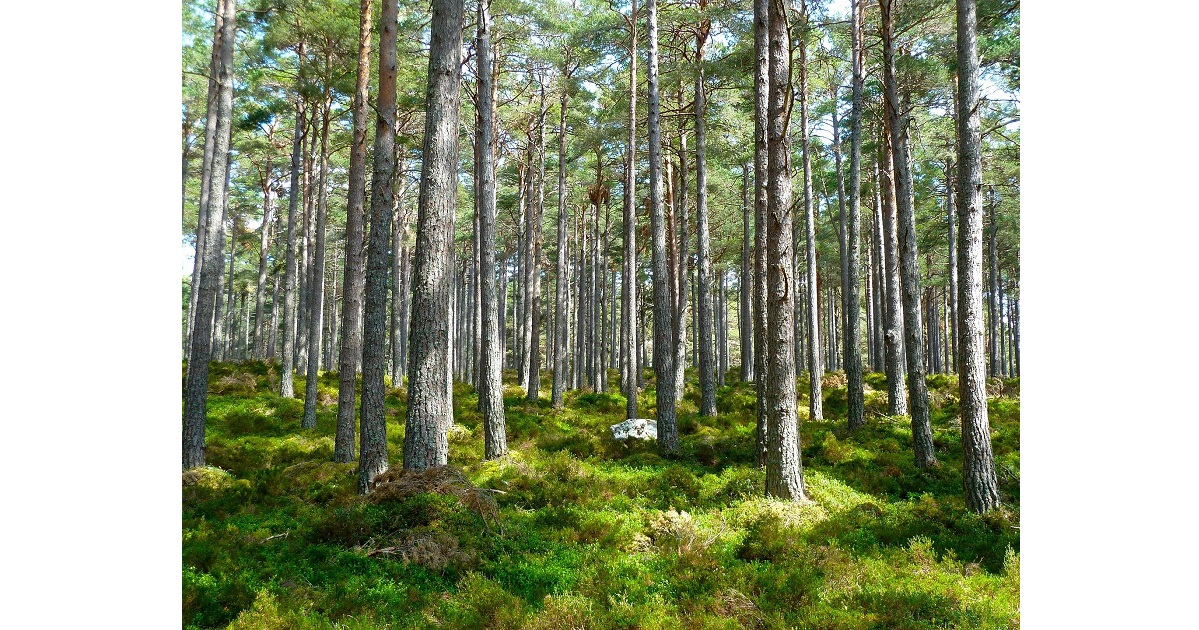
<point x="224" y="328"/>
<point x="870" y="357"/>
<point x="815" y="359"/>
<point x="952" y="220"/>
<point x="761" y="101"/>
<point x="268" y="206"/>
<point x="978" y="470"/>
<point x="429" y="404"/>
<point x="306" y="238"/>
<point x="350" y="354"/>
<point x="196" y="391"/>
<point x="922" y="434"/>
<point x="684" y="275"/>
<point x="290" y="275"/>
<point x="992" y="294"/>
<point x="668" y="432"/>
<point x="560" y="290"/>
<point x="317" y="276"/>
<point x="853" y="335"/>
<point x="491" y="394"/>
<point x="1016" y="337"/>
<point x="897" y="402"/>
<point x="372" y="456"/>
<point x="880" y="285"/>
<point x="534" y="271"/>
<point x="210" y="126"/>
<point x="272" y="337"/>
<point x="784" y="470"/>
<point x="745" y="290"/>
<point x="398" y="292"/>
<point x="839" y="226"/>
<point x="707" y="377"/>
<point x="628" y="306"/>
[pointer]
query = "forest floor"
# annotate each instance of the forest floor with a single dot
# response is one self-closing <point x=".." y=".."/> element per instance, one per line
<point x="575" y="530"/>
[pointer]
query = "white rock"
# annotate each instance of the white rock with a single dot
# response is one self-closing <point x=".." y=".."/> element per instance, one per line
<point x="637" y="428"/>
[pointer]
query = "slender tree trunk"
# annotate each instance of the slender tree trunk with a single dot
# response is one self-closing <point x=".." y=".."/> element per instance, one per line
<point x="853" y="334"/>
<point x="978" y="471"/>
<point x="668" y="432"/>
<point x="784" y="470"/>
<point x="196" y="390"/>
<point x="317" y="276"/>
<point x="491" y="394"/>
<point x="272" y="343"/>
<point x="839" y="226"/>
<point x="560" y="290"/>
<point x="815" y="359"/>
<point x="628" y="307"/>
<point x="398" y="303"/>
<point x="502" y="313"/>
<point x="224" y="328"/>
<point x="683" y="272"/>
<point x="350" y="354"/>
<point x="1016" y="337"/>
<point x="287" y="369"/>
<point x="429" y="404"/>
<point x="922" y="435"/>
<point x="745" y="290"/>
<point x="210" y="126"/>
<point x="761" y="101"/>
<point x="880" y="285"/>
<point x="372" y="456"/>
<point x="707" y="377"/>
<point x="534" y="316"/>
<point x="870" y="357"/>
<point x="992" y="292"/>
<point x="952" y="220"/>
<point x="268" y="206"/>
<point x="306" y="238"/>
<point x="897" y="402"/>
<point x="718" y="326"/>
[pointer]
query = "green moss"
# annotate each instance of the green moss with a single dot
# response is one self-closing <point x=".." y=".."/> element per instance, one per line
<point x="595" y="532"/>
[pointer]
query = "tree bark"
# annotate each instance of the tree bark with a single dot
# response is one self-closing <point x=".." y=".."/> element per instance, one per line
<point x="668" y="433"/>
<point x="993" y="315"/>
<point x="784" y="470"/>
<point x="897" y="402"/>
<point x="350" y="355"/>
<point x="268" y="207"/>
<point x="429" y="404"/>
<point x="746" y="282"/>
<point x="210" y="126"/>
<point x="196" y="391"/>
<point x="628" y="307"/>
<point x="682" y="272"/>
<point x="372" y="456"/>
<point x="761" y="102"/>
<point x="922" y="434"/>
<point x="561" y="336"/>
<point x="491" y="394"/>
<point x="853" y="335"/>
<point x="707" y="376"/>
<point x="815" y="359"/>
<point x="981" y="487"/>
<point x="952" y="220"/>
<point x="316" y="294"/>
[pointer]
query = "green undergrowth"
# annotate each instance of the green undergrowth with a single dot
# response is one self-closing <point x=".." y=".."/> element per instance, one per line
<point x="574" y="530"/>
